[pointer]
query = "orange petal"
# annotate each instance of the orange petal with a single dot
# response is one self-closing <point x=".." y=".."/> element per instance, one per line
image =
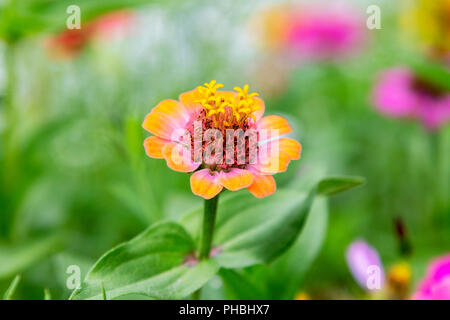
<point x="274" y="122"/>
<point x="262" y="186"/>
<point x="153" y="146"/>
<point x="165" y="118"/>
<point x="235" y="179"/>
<point x="272" y="160"/>
<point x="173" y="108"/>
<point x="262" y="107"/>
<point x="204" y="184"/>
<point x="188" y="99"/>
<point x="177" y="158"/>
<point x="291" y="147"/>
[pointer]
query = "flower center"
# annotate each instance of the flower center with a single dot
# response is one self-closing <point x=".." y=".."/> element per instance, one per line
<point x="224" y="133"/>
<point x="225" y="110"/>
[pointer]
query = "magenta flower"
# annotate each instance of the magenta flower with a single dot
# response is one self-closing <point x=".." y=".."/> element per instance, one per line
<point x="365" y="265"/>
<point x="436" y="283"/>
<point x="320" y="33"/>
<point x="399" y="93"/>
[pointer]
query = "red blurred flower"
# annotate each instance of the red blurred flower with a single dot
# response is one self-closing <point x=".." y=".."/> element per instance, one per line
<point x="69" y="43"/>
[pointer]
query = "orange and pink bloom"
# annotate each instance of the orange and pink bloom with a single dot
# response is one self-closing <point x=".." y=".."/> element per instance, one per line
<point x="222" y="138"/>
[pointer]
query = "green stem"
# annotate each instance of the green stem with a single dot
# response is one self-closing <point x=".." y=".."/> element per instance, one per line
<point x="9" y="155"/>
<point x="438" y="174"/>
<point x="10" y="86"/>
<point x="209" y="219"/>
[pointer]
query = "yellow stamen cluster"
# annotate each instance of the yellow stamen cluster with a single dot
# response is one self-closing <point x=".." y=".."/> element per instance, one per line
<point x="400" y="274"/>
<point x="245" y="105"/>
<point x="225" y="109"/>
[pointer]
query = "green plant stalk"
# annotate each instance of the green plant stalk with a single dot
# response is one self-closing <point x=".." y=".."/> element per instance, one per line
<point x="437" y="183"/>
<point x="12" y="288"/>
<point x="47" y="295"/>
<point x="206" y="238"/>
<point x="10" y="152"/>
<point x="209" y="220"/>
<point x="10" y="86"/>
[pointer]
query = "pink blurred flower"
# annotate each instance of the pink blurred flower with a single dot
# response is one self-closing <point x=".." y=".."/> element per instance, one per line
<point x="319" y="31"/>
<point x="365" y="265"/>
<point x="436" y="283"/>
<point x="400" y="93"/>
<point x="324" y="32"/>
<point x="69" y="43"/>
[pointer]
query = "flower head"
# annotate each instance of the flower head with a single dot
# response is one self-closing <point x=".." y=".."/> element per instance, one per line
<point x="365" y="265"/>
<point x="223" y="138"/>
<point x="400" y="93"/>
<point x="313" y="32"/>
<point x="67" y="44"/>
<point x="436" y="283"/>
<point x="71" y="42"/>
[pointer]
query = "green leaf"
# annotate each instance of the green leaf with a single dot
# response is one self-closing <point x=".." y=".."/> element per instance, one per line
<point x="285" y="275"/>
<point x="334" y="185"/>
<point x="238" y="286"/>
<point x="282" y="278"/>
<point x="103" y="292"/>
<point x="12" y="288"/>
<point x="152" y="264"/>
<point x="433" y="72"/>
<point x="21" y="18"/>
<point x="253" y="231"/>
<point x="16" y="258"/>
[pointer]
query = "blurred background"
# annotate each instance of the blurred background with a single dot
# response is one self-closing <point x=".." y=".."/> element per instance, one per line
<point x="74" y="177"/>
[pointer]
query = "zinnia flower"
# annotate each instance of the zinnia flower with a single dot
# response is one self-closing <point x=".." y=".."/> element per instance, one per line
<point x="365" y="265"/>
<point x="436" y="283"/>
<point x="400" y="93"/>
<point x="313" y="32"/>
<point x="71" y="42"/>
<point x="191" y="135"/>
